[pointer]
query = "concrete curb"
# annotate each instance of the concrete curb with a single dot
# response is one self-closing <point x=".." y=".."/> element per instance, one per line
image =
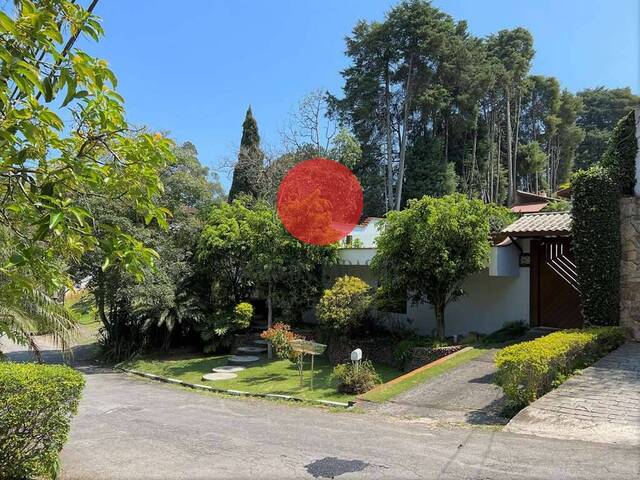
<point x="206" y="388"/>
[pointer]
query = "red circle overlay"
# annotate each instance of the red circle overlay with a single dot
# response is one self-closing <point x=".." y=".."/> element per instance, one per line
<point x="319" y="201"/>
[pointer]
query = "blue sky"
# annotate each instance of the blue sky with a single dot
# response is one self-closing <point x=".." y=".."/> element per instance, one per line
<point x="192" y="67"/>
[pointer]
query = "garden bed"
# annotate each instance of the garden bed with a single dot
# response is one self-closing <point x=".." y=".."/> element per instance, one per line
<point x="262" y="377"/>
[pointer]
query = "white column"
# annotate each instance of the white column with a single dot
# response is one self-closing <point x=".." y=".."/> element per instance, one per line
<point x="637" y="187"/>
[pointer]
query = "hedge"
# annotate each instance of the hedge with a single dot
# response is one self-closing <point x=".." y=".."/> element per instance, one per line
<point x="528" y="370"/>
<point x="36" y="406"/>
<point x="620" y="156"/>
<point x="596" y="244"/>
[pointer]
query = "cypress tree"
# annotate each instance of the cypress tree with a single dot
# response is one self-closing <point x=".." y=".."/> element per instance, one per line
<point x="248" y="169"/>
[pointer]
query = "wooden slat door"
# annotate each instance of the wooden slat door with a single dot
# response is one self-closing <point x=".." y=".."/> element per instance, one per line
<point x="555" y="301"/>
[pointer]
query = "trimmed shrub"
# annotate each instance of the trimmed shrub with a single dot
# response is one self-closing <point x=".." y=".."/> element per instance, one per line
<point x="596" y="244"/>
<point x="346" y="305"/>
<point x="36" y="406"/>
<point x="620" y="156"/>
<point x="528" y="370"/>
<point x="356" y="380"/>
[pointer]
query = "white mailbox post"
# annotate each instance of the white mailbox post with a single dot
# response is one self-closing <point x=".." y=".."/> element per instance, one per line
<point x="356" y="357"/>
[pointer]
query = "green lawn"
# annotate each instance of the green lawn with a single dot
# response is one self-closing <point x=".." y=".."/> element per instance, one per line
<point x="385" y="393"/>
<point x="82" y="305"/>
<point x="277" y="376"/>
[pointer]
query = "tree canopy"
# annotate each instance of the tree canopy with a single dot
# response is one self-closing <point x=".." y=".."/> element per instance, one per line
<point x="432" y="246"/>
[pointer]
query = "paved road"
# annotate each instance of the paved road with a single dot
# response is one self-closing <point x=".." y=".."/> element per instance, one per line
<point x="602" y="404"/>
<point x="131" y="428"/>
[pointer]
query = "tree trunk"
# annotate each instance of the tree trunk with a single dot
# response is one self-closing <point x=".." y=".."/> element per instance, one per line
<point x="473" y="156"/>
<point x="403" y="142"/>
<point x="515" y="146"/>
<point x="510" y="193"/>
<point x="439" y="310"/>
<point x="269" y="319"/>
<point x="387" y="99"/>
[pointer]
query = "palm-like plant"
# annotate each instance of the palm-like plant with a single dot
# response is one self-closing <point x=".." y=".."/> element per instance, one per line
<point x="26" y="311"/>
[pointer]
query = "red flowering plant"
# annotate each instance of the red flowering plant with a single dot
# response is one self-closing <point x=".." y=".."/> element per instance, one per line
<point x="281" y="336"/>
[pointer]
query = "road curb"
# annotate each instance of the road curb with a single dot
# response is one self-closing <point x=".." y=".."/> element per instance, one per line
<point x="207" y="388"/>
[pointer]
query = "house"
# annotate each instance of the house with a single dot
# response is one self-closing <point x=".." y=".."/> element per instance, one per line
<point x="531" y="278"/>
<point x="527" y="202"/>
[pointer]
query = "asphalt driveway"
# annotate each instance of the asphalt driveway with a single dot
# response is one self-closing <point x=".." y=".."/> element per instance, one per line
<point x="465" y="394"/>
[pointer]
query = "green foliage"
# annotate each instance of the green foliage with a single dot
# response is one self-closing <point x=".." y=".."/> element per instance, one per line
<point x="432" y="246"/>
<point x="508" y="332"/>
<point x="36" y="406"/>
<point x="216" y="329"/>
<point x="249" y="168"/>
<point x="27" y="311"/>
<point x="558" y="205"/>
<point x="345" y="306"/>
<point x="499" y="217"/>
<point x="356" y="379"/>
<point x="389" y="299"/>
<point x="620" y="156"/>
<point x="245" y="246"/>
<point x="281" y="336"/>
<point x="528" y="370"/>
<point x="242" y="314"/>
<point x="596" y="244"/>
<point x="603" y="108"/>
<point x="428" y="172"/>
<point x="161" y="308"/>
<point x="50" y="166"/>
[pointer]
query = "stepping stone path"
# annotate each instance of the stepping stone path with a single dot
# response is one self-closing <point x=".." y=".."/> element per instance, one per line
<point x="251" y="349"/>
<point x="229" y="369"/>
<point x="219" y="376"/>
<point x="261" y="342"/>
<point x="243" y="359"/>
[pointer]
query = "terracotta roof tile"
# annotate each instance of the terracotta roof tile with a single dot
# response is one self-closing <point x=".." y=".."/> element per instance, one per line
<point x="537" y="224"/>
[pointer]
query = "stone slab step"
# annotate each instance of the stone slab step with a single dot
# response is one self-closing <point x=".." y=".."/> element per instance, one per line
<point x="219" y="376"/>
<point x="242" y="359"/>
<point x="249" y="349"/>
<point x="229" y="369"/>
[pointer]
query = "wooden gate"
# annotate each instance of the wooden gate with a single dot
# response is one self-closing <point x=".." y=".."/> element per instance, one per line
<point x="555" y="300"/>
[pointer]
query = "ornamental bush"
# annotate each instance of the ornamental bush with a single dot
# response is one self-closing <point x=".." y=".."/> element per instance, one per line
<point x="280" y="336"/>
<point x="356" y="379"/>
<point x="346" y="305"/>
<point x="242" y="314"/>
<point x="596" y="244"/>
<point x="528" y="370"/>
<point x="36" y="406"/>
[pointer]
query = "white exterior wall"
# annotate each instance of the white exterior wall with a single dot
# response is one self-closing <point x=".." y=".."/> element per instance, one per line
<point x="494" y="296"/>
<point x="366" y="233"/>
<point x="488" y="303"/>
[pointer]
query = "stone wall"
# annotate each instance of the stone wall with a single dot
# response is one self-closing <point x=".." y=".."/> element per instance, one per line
<point x="630" y="265"/>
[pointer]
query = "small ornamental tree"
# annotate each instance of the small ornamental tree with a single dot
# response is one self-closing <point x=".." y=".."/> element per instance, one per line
<point x="345" y="306"/>
<point x="432" y="246"/>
